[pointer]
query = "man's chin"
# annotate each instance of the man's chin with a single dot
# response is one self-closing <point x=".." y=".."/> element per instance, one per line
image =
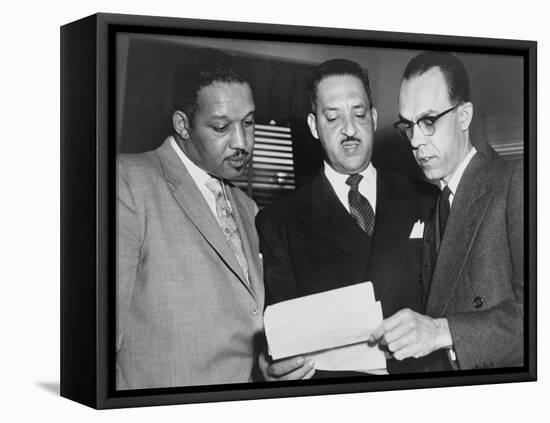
<point x="233" y="172"/>
<point x="432" y="175"/>
<point x="354" y="167"/>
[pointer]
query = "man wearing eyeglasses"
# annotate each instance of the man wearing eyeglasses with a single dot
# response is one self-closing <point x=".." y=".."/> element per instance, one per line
<point x="473" y="246"/>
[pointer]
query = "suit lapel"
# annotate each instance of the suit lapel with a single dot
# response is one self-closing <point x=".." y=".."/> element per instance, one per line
<point x="469" y="206"/>
<point x="393" y="226"/>
<point x="190" y="199"/>
<point x="328" y="217"/>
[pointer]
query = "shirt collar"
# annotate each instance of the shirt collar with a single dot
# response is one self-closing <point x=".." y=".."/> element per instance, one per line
<point x="457" y="175"/>
<point x="199" y="176"/>
<point x="369" y="175"/>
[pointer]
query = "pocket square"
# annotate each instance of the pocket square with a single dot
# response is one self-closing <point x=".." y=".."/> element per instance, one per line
<point x="417" y="230"/>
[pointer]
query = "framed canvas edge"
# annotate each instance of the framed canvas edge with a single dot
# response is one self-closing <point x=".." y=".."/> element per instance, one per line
<point x="104" y="397"/>
<point x="78" y="220"/>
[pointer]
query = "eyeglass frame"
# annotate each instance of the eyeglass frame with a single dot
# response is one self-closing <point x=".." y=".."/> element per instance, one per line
<point x="433" y="119"/>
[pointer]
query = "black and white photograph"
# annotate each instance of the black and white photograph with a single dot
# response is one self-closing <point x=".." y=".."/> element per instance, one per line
<point x="289" y="211"/>
<point x="252" y="174"/>
<point x="336" y="212"/>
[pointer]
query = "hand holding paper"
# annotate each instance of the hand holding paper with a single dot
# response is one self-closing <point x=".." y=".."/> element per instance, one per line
<point x="330" y="327"/>
<point x="292" y="368"/>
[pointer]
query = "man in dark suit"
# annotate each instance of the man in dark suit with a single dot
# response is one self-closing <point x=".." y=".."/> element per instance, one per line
<point x="473" y="258"/>
<point x="353" y="223"/>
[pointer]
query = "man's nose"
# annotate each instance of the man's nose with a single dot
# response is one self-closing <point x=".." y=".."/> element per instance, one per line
<point x="349" y="129"/>
<point x="238" y="139"/>
<point x="417" y="137"/>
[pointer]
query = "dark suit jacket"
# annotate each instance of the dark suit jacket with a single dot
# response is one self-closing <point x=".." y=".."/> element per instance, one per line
<point x="476" y="273"/>
<point x="311" y="244"/>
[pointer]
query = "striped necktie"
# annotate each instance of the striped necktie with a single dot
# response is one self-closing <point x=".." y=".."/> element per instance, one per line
<point x="359" y="206"/>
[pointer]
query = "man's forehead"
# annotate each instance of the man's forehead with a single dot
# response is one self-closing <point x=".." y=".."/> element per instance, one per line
<point x="428" y="91"/>
<point x="340" y="86"/>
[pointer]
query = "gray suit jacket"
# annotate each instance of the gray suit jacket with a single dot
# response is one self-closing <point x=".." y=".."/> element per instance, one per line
<point x="185" y="314"/>
<point x="477" y="272"/>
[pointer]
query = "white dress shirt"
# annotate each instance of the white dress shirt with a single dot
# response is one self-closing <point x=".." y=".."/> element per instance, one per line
<point x="457" y="175"/>
<point x="367" y="186"/>
<point x="200" y="177"/>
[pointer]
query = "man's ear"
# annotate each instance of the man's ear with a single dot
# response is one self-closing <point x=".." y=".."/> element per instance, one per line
<point x="374" y="117"/>
<point x="312" y="123"/>
<point x="466" y="115"/>
<point x="181" y="124"/>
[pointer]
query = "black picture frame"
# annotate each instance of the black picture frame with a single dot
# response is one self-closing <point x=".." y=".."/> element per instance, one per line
<point x="88" y="128"/>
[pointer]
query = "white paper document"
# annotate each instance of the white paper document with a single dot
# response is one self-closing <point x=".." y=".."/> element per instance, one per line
<point x="330" y="327"/>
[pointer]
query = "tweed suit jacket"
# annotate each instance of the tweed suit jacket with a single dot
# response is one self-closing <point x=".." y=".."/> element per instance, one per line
<point x="185" y="314"/>
<point x="310" y="244"/>
<point x="474" y="276"/>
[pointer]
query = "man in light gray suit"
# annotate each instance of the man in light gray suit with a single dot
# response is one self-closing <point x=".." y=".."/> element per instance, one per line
<point x="473" y="246"/>
<point x="189" y="294"/>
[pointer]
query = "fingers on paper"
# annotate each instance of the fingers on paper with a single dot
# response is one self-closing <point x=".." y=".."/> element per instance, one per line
<point x="391" y="323"/>
<point x="291" y="369"/>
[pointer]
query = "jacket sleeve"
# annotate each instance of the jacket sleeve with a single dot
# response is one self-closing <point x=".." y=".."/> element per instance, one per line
<point x="128" y="245"/>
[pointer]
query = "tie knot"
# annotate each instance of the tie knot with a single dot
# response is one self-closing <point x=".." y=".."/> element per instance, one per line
<point x="446" y="193"/>
<point x="353" y="180"/>
<point x="215" y="185"/>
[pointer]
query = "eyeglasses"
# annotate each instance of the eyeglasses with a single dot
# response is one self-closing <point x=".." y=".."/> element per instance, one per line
<point x="426" y="124"/>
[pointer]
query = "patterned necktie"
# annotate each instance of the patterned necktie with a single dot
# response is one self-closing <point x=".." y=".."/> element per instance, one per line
<point x="444" y="209"/>
<point x="227" y="223"/>
<point x="359" y="206"/>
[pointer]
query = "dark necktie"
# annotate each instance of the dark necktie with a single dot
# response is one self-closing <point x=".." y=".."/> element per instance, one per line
<point x="359" y="206"/>
<point x="444" y="209"/>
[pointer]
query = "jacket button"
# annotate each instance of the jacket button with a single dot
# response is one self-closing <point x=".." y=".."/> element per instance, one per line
<point x="478" y="302"/>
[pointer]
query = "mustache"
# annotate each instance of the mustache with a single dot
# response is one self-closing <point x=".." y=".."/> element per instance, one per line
<point x="352" y="138"/>
<point x="239" y="154"/>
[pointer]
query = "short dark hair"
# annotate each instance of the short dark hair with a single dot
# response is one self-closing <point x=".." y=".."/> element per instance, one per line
<point x="456" y="77"/>
<point x="201" y="70"/>
<point x="336" y="67"/>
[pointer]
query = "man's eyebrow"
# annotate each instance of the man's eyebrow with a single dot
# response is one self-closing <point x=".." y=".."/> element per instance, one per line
<point x="221" y="116"/>
<point x="335" y="108"/>
<point x="427" y="113"/>
<point x="225" y="117"/>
